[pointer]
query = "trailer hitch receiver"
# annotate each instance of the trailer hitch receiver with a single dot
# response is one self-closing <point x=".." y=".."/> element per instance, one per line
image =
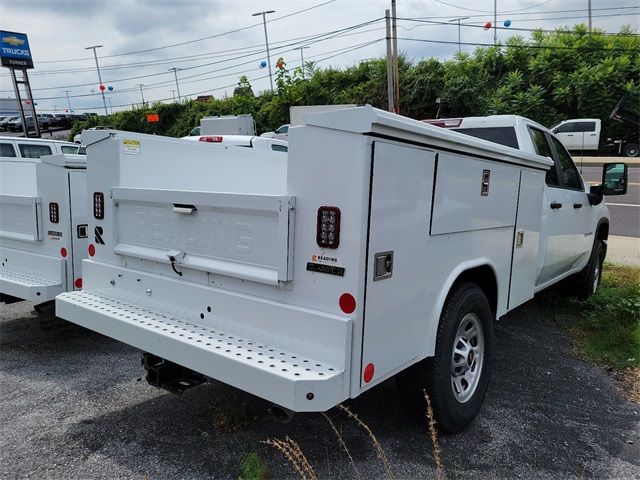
<point x="169" y="376"/>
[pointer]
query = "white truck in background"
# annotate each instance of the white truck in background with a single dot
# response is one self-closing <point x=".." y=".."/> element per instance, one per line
<point x="228" y="125"/>
<point x="377" y="247"/>
<point x="296" y="117"/>
<point x="43" y="227"/>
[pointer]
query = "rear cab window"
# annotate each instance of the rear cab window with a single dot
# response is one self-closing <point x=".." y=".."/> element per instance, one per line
<point x="502" y="135"/>
<point x="33" y="151"/>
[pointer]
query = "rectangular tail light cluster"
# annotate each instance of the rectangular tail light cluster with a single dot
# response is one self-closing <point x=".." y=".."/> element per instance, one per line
<point x="54" y="212"/>
<point x="210" y="139"/>
<point x="328" y="229"/>
<point x="98" y="205"/>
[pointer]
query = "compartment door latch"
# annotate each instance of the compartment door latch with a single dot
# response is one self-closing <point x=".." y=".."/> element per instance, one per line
<point x="383" y="265"/>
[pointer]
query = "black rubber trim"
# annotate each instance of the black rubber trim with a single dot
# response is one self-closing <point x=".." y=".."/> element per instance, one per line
<point x="513" y="243"/>
<point x="452" y="150"/>
<point x="433" y="191"/>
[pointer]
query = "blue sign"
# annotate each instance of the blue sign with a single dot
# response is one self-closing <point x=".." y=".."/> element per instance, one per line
<point x="15" y="51"/>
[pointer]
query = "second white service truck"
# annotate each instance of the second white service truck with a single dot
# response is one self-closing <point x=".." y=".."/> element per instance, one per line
<point x="378" y="247"/>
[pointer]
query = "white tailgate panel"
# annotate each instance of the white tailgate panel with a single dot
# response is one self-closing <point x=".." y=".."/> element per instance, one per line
<point x="395" y="307"/>
<point x="525" y="255"/>
<point x="458" y="205"/>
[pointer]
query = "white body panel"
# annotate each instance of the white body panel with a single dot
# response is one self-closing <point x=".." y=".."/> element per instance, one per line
<point x="42" y="202"/>
<point x="162" y="282"/>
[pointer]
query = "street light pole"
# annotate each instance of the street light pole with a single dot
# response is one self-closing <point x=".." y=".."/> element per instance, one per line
<point x="141" y="92"/>
<point x="95" y="55"/>
<point x="175" y="73"/>
<point x="68" y="101"/>
<point x="301" y="48"/>
<point x="266" y="41"/>
<point x="458" y="20"/>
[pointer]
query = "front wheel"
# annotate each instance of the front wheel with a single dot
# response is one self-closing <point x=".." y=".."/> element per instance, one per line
<point x="457" y="377"/>
<point x="592" y="274"/>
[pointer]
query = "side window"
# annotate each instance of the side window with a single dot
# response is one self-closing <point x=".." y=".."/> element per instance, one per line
<point x="542" y="148"/>
<point x="34" y="151"/>
<point x="69" y="149"/>
<point x="586" y="126"/>
<point x="7" y="150"/>
<point x="569" y="176"/>
<point x="279" y="148"/>
<point x="566" y="128"/>
<point x="283" y="129"/>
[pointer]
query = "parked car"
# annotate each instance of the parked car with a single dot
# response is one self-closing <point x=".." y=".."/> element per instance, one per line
<point x="6" y="121"/>
<point x="379" y="247"/>
<point x="243" y="141"/>
<point x="195" y="131"/>
<point x="281" y="133"/>
<point x="21" y="148"/>
<point x="16" y="125"/>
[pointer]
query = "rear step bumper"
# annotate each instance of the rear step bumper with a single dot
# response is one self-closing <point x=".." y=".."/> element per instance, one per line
<point x="28" y="287"/>
<point x="286" y="378"/>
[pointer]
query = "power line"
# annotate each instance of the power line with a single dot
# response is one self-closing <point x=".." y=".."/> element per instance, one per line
<point x="491" y="11"/>
<point x="546" y="12"/>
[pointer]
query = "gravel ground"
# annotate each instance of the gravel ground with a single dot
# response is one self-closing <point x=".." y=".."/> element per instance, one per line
<point x="74" y="406"/>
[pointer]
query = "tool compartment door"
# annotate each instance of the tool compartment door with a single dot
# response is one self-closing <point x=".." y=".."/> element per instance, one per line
<point x="241" y="235"/>
<point x="21" y="218"/>
<point x="79" y="218"/>
<point x="401" y="192"/>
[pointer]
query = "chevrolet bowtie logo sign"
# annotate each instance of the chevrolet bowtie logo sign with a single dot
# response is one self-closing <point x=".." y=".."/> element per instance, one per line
<point x="14" y="50"/>
<point x="13" y="40"/>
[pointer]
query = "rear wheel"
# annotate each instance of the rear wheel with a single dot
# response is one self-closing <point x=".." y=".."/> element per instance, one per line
<point x="457" y="377"/>
<point x="631" y="150"/>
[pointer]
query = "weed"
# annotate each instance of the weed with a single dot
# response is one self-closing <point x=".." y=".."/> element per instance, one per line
<point x="292" y="452"/>
<point x="342" y="444"/>
<point x="433" y="432"/>
<point x="253" y="468"/>
<point x="375" y="441"/>
<point x="231" y="414"/>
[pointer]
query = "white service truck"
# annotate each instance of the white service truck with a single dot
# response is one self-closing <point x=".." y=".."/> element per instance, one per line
<point x="228" y="125"/>
<point x="43" y="227"/>
<point x="378" y="247"/>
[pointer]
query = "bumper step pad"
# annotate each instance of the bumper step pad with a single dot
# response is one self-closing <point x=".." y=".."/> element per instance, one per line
<point x="28" y="287"/>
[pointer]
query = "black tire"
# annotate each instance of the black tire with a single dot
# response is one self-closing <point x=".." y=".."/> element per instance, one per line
<point x="434" y="375"/>
<point x="592" y="274"/>
<point x="630" y="150"/>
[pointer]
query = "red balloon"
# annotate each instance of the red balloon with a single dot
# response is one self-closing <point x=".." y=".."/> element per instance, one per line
<point x="487" y="26"/>
<point x="102" y="87"/>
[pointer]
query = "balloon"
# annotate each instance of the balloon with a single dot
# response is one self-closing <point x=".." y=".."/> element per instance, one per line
<point x="507" y="23"/>
<point x="102" y="87"/>
<point x="488" y="25"/>
<point x="110" y="88"/>
<point x="263" y="64"/>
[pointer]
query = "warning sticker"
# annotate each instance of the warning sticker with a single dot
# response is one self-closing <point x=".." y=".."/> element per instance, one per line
<point x="131" y="147"/>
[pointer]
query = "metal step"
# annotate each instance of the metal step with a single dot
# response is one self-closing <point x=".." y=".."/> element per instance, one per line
<point x="289" y="379"/>
<point x="28" y="287"/>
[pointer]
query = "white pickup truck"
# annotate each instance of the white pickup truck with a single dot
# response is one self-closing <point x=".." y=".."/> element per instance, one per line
<point x="43" y="226"/>
<point x="379" y="246"/>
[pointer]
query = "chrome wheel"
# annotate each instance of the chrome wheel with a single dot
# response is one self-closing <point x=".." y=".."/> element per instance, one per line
<point x="467" y="358"/>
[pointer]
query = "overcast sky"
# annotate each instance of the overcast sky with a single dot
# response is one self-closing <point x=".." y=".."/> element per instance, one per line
<point x="59" y="30"/>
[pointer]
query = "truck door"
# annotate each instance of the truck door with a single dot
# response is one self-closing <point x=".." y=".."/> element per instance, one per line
<point x="569" y="136"/>
<point x="401" y="193"/>
<point x="566" y="211"/>
<point x="590" y="135"/>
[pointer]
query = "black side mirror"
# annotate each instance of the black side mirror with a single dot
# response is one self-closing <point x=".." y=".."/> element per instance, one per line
<point x="615" y="179"/>
<point x="555" y="130"/>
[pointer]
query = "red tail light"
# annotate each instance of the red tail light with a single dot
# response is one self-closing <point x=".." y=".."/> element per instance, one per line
<point x="328" y="227"/>
<point x="210" y="139"/>
<point x="54" y="213"/>
<point x="98" y="205"/>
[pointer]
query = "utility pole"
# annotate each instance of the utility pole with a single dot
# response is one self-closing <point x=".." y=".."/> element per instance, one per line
<point x="589" y="16"/>
<point x="68" y="101"/>
<point x="141" y="92"/>
<point x="458" y="20"/>
<point x="301" y="48"/>
<point x="95" y="55"/>
<point x="390" y="90"/>
<point x="173" y="92"/>
<point x="396" y="72"/>
<point x="495" y="22"/>
<point x="175" y="73"/>
<point x="266" y="41"/>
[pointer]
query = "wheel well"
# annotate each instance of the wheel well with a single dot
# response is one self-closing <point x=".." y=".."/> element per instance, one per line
<point x="603" y="231"/>
<point x="485" y="278"/>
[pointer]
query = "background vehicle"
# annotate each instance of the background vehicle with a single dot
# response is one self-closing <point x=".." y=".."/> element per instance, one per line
<point x="43" y="229"/>
<point x="281" y="133"/>
<point x="379" y="246"/>
<point x="18" y="147"/>
<point x="16" y="124"/>
<point x="580" y="134"/>
<point x="228" y="125"/>
<point x="242" y="141"/>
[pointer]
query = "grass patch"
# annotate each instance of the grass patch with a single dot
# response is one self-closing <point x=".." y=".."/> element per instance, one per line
<point x="253" y="468"/>
<point x="606" y="326"/>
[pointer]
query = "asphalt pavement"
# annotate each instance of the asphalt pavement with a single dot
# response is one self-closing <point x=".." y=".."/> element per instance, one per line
<point x="625" y="209"/>
<point x="75" y="406"/>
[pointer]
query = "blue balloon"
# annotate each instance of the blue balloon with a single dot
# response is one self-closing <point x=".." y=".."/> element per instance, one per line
<point x="263" y="64"/>
<point x="110" y="88"/>
<point x="507" y="23"/>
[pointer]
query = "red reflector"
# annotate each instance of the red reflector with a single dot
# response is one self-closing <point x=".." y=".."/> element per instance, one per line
<point x="63" y="252"/>
<point x="78" y="283"/>
<point x="368" y="372"/>
<point x="92" y="250"/>
<point x="347" y="303"/>
<point x="210" y="139"/>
